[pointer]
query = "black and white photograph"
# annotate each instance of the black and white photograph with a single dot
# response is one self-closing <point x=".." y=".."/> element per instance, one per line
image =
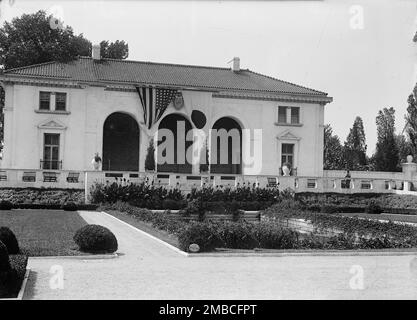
<point x="208" y="156"/>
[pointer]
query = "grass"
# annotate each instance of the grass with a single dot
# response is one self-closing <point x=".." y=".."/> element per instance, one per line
<point x="44" y="232"/>
<point x="147" y="227"/>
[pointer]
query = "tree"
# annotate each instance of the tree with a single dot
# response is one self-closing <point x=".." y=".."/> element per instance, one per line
<point x="150" y="157"/>
<point x="30" y="39"/>
<point x="114" y="50"/>
<point x="386" y="157"/>
<point x="333" y="150"/>
<point x="404" y="148"/>
<point x="354" y="152"/>
<point x="411" y="120"/>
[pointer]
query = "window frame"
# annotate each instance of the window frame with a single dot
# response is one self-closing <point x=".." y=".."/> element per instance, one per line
<point x="40" y="100"/>
<point x="51" y="146"/>
<point x="64" y="94"/>
<point x="287" y="154"/>
<point x="298" y="115"/>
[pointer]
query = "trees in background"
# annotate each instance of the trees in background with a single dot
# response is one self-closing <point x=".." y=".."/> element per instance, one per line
<point x="354" y="150"/>
<point x="386" y="157"/>
<point x="333" y="150"/>
<point x="114" y="50"/>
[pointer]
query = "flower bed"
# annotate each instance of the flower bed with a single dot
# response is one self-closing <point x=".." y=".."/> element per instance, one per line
<point x="272" y="234"/>
<point x="355" y="233"/>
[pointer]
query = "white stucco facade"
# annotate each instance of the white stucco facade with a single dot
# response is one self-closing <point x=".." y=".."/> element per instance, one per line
<point x="65" y="113"/>
<point x="81" y="126"/>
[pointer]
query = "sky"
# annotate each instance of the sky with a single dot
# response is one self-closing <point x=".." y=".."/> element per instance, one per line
<point x="360" y="52"/>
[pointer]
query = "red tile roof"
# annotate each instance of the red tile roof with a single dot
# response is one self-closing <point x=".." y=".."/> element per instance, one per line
<point x="85" y="69"/>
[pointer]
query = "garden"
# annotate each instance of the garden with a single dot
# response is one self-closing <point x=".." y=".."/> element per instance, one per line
<point x="287" y="221"/>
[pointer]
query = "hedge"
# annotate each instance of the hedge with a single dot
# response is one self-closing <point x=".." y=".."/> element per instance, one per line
<point x="398" y="235"/>
<point x="145" y="195"/>
<point x="41" y="196"/>
<point x="389" y="202"/>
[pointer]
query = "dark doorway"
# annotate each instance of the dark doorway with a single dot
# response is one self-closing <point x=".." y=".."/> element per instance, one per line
<point x="120" y="143"/>
<point x="170" y="122"/>
<point x="234" y="150"/>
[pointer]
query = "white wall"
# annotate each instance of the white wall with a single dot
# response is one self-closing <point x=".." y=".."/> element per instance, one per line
<point x="82" y="128"/>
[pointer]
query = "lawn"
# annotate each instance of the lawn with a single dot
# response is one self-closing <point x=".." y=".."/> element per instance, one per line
<point x="44" y="232"/>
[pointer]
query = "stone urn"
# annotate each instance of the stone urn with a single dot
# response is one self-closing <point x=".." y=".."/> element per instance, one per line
<point x="286" y="169"/>
<point x="96" y="162"/>
<point x="409" y="158"/>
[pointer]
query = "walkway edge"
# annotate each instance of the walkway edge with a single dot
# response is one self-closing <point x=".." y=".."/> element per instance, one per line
<point x="344" y="253"/>
<point x="80" y="257"/>
<point x="149" y="235"/>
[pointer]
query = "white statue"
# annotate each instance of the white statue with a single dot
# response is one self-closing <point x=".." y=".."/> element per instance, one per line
<point x="96" y="162"/>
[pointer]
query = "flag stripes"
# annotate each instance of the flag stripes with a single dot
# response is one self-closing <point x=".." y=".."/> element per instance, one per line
<point x="154" y="103"/>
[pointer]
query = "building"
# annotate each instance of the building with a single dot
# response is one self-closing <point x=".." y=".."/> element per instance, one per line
<point x="58" y="115"/>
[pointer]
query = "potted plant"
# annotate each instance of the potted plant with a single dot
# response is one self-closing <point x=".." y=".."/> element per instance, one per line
<point x="150" y="157"/>
<point x="286" y="169"/>
<point x="96" y="162"/>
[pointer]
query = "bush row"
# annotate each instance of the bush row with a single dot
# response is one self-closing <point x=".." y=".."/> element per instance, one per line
<point x="41" y="196"/>
<point x="361" y="200"/>
<point x="399" y="235"/>
<point x="70" y="206"/>
<point x="145" y="195"/>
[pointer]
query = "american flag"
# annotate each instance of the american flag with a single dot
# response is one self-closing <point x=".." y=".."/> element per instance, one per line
<point x="154" y="103"/>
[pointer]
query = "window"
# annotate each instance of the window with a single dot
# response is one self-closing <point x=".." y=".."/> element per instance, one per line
<point x="295" y="115"/>
<point x="60" y="101"/>
<point x="282" y="114"/>
<point x="289" y="115"/>
<point x="51" y="151"/>
<point x="366" y="184"/>
<point x="311" y="183"/>
<point x="287" y="153"/>
<point x="44" y="100"/>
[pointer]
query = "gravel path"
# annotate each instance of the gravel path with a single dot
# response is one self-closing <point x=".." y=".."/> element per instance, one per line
<point x="147" y="269"/>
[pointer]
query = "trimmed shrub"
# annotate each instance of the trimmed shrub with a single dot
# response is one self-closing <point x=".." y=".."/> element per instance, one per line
<point x="69" y="206"/>
<point x="170" y="204"/>
<point x="6" y="205"/>
<point x="9" y="240"/>
<point x="237" y="235"/>
<point x="4" y="258"/>
<point x="11" y="280"/>
<point x="203" y="234"/>
<point x="95" y="239"/>
<point x="373" y="207"/>
<point x="273" y="236"/>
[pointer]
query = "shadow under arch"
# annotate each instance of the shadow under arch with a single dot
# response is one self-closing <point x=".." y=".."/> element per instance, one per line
<point x="233" y="148"/>
<point x="170" y="122"/>
<point x="120" y="143"/>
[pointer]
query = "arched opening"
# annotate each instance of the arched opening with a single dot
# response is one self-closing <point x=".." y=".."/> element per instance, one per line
<point x="226" y="147"/>
<point x="179" y="126"/>
<point x="120" y="143"/>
